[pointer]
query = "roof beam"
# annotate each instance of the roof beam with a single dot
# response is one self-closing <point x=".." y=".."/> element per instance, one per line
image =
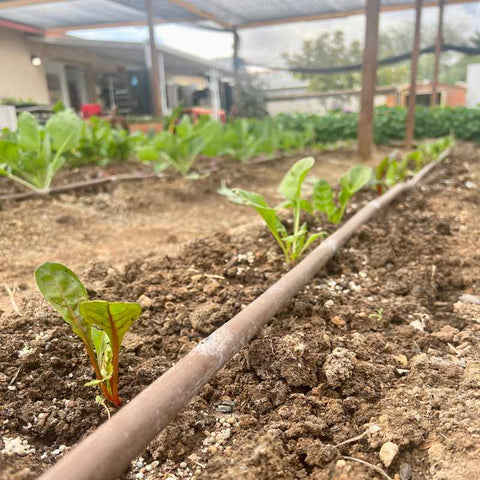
<point x="132" y="23"/>
<point x="20" y="27"/>
<point x="201" y="13"/>
<point x="25" y="3"/>
<point x="347" y="13"/>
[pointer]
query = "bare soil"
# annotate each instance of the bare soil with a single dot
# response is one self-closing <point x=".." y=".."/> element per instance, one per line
<point x="377" y="349"/>
<point x="116" y="223"/>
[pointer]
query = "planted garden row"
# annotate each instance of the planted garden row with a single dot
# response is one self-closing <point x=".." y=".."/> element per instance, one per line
<point x="33" y="155"/>
<point x="101" y="325"/>
<point x="148" y="413"/>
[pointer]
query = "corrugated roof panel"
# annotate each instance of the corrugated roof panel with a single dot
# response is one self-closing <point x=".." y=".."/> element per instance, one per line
<point x="77" y="12"/>
<point x="163" y="9"/>
<point x="236" y="13"/>
<point x="247" y="11"/>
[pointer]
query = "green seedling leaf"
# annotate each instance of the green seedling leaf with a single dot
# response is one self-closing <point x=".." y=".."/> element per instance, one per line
<point x="94" y="383"/>
<point x="64" y="291"/>
<point x="291" y="185"/>
<point x="114" y="318"/>
<point x="352" y="181"/>
<point x="64" y="129"/>
<point x="323" y="200"/>
<point x="28" y="132"/>
<point x="148" y="153"/>
<point x="268" y="214"/>
<point x="229" y="193"/>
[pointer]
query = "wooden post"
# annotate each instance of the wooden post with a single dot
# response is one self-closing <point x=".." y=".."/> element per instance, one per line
<point x="438" y="50"/>
<point x="236" y="69"/>
<point x="413" y="77"/>
<point x="369" y="76"/>
<point x="154" y="65"/>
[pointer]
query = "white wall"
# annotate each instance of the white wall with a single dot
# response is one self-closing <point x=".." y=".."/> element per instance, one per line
<point x="319" y="105"/>
<point x="18" y="77"/>
<point x="473" y="85"/>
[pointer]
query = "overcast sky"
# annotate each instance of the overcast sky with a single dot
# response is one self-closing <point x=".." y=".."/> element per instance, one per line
<point x="266" y="45"/>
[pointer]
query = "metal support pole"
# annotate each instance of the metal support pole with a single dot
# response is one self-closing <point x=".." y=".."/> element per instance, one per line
<point x="236" y="67"/>
<point x="154" y="67"/>
<point x="214" y="94"/>
<point x="438" y="50"/>
<point x="369" y="76"/>
<point x="413" y="77"/>
<point x="163" y="84"/>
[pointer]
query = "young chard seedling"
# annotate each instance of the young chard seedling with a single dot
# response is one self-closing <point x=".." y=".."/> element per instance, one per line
<point x="290" y="188"/>
<point x="350" y="183"/>
<point x="100" y="325"/>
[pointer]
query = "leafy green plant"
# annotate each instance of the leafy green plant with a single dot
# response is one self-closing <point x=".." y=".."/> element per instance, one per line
<point x="99" y="324"/>
<point x="292" y="245"/>
<point x="180" y="150"/>
<point x="377" y="315"/>
<point x="35" y="155"/>
<point x="392" y="169"/>
<point x="350" y="183"/>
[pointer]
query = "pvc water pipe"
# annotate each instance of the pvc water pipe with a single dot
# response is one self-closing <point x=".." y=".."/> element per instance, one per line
<point x="107" y="452"/>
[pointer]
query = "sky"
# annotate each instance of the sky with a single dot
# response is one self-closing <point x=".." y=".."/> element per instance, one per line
<point x="267" y="44"/>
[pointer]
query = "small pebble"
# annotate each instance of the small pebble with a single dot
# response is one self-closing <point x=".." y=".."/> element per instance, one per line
<point x="388" y="452"/>
<point x="183" y="465"/>
<point x="405" y="471"/>
<point x="139" y="475"/>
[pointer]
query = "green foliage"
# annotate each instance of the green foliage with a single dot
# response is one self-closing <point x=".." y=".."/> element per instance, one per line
<point x="58" y="107"/>
<point x="100" y="143"/>
<point x="100" y="325"/>
<point x="350" y="183"/>
<point x="180" y="149"/>
<point x="292" y="245"/>
<point x="35" y="154"/>
<point x="389" y="124"/>
<point x="329" y="50"/>
<point x="392" y="169"/>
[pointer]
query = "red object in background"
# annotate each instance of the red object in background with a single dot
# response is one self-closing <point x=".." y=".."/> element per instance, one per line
<point x="91" y="109"/>
<point x="195" y="112"/>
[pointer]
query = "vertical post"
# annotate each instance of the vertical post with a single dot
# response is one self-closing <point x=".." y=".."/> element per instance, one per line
<point x="163" y="84"/>
<point x="91" y="80"/>
<point x="413" y="77"/>
<point x="154" y="67"/>
<point x="214" y="94"/>
<point x="369" y="76"/>
<point x="236" y="69"/>
<point x="438" y="50"/>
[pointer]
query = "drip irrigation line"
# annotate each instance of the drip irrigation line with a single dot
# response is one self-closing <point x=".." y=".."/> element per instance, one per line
<point x="78" y="185"/>
<point x="129" y="177"/>
<point x="107" y="452"/>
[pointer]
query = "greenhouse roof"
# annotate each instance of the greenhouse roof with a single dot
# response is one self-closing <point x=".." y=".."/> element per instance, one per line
<point x="57" y="16"/>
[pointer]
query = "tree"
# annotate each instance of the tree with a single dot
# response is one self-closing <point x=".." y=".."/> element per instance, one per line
<point x="330" y="50"/>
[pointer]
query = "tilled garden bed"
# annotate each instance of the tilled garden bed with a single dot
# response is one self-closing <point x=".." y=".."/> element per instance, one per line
<point x="377" y="349"/>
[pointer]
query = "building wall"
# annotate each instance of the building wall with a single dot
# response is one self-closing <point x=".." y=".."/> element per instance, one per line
<point x="473" y="85"/>
<point x="18" y="77"/>
<point x="320" y="105"/>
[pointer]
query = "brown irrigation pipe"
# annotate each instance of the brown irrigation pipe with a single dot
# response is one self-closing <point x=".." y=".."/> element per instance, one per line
<point x="129" y="176"/>
<point x="107" y="452"/>
<point x="78" y="185"/>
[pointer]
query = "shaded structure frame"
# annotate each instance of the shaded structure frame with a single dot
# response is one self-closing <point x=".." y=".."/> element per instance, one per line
<point x="227" y="16"/>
